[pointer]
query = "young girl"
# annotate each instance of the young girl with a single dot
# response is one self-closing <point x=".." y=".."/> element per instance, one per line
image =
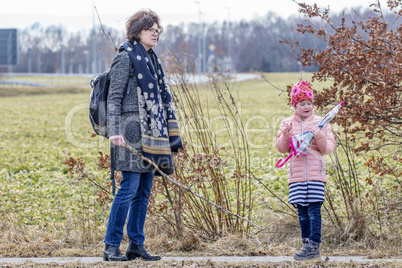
<point x="306" y="174"/>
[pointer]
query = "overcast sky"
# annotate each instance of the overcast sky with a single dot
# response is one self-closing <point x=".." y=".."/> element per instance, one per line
<point x="76" y="15"/>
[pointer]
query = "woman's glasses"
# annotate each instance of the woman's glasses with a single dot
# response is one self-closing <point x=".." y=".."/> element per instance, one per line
<point x="153" y="30"/>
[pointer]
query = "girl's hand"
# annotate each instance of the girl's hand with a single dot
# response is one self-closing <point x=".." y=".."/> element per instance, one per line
<point x="315" y="130"/>
<point x="288" y="128"/>
<point x="117" y="140"/>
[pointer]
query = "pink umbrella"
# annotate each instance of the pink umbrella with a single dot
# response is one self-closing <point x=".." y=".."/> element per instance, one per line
<point x="300" y="144"/>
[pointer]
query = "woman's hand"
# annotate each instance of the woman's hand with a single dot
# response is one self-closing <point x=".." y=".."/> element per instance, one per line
<point x="117" y="140"/>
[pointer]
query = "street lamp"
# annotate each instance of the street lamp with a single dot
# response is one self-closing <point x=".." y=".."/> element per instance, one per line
<point x="229" y="40"/>
<point x="94" y="37"/>
<point x="199" y="37"/>
<point x="203" y="48"/>
<point x="71" y="66"/>
<point x="86" y="52"/>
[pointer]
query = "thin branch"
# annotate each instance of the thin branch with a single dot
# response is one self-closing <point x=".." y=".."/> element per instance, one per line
<point x="269" y="190"/>
<point x="187" y="188"/>
<point x="83" y="174"/>
<point x="266" y="80"/>
<point x="108" y="36"/>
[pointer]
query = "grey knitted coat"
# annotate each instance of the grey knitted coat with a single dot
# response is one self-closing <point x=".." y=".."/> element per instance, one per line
<point x="123" y="116"/>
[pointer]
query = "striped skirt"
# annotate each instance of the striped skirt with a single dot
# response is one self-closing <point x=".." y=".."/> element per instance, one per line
<point x="306" y="192"/>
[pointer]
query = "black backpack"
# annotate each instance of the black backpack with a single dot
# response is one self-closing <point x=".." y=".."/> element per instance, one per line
<point x="98" y="101"/>
<point x="97" y="104"/>
<point x="98" y="110"/>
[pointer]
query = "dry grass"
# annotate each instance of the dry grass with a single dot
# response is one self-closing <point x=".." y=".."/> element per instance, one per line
<point x="279" y="239"/>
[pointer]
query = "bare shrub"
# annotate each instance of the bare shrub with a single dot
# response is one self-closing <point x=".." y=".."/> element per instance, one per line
<point x="218" y="173"/>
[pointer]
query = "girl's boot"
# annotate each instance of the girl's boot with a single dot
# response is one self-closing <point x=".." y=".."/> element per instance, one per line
<point x="303" y="249"/>
<point x="312" y="252"/>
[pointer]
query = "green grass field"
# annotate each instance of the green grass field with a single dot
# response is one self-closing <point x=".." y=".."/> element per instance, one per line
<point x="39" y="128"/>
<point x="46" y="211"/>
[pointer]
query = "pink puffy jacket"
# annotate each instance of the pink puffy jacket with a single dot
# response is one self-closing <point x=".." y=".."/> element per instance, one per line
<point x="312" y="166"/>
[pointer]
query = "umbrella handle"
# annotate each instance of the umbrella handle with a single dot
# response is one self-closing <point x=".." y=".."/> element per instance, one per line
<point x="287" y="158"/>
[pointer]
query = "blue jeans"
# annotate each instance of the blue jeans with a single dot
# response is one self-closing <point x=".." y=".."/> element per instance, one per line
<point x="310" y="221"/>
<point x="132" y="198"/>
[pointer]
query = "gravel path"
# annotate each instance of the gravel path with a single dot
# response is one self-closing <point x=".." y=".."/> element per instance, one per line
<point x="227" y="259"/>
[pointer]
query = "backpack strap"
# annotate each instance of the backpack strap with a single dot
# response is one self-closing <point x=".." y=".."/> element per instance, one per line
<point x="112" y="154"/>
<point x="112" y="160"/>
<point x="131" y="77"/>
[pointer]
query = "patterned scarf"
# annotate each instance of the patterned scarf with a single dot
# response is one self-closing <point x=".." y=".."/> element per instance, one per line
<point x="159" y="128"/>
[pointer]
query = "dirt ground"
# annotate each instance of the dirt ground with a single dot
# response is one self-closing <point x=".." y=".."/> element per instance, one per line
<point x="207" y="261"/>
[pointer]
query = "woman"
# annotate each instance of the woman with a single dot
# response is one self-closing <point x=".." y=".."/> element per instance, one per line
<point x="141" y="114"/>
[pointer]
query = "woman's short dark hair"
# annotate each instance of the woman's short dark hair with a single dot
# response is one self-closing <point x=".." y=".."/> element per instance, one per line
<point x="141" y="20"/>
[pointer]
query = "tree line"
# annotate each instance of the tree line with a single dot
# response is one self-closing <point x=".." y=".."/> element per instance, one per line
<point x="242" y="46"/>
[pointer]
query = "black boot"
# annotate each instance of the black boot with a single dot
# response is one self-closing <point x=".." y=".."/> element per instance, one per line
<point x="312" y="252"/>
<point x="134" y="251"/>
<point x="112" y="253"/>
<point x="303" y="250"/>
